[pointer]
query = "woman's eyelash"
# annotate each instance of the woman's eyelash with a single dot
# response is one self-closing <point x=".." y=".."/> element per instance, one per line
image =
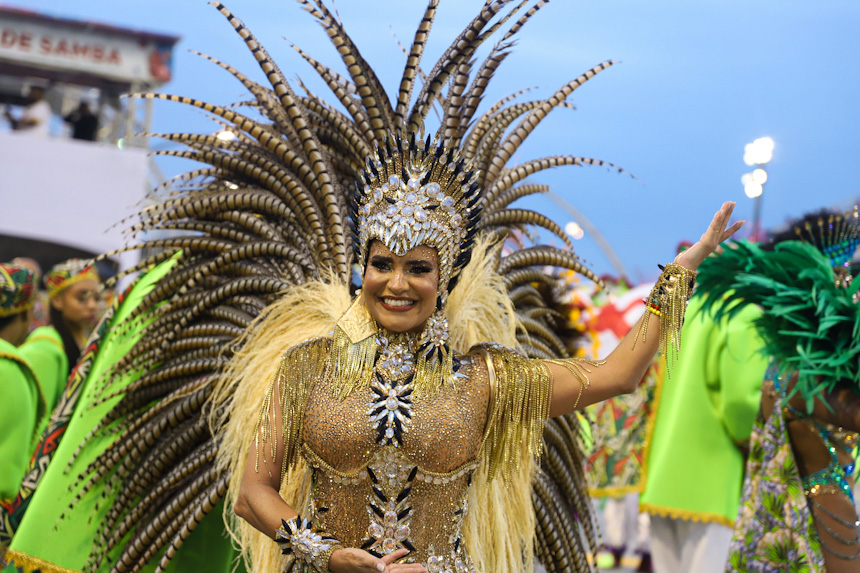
<point x="386" y="266"/>
<point x="421" y="269"/>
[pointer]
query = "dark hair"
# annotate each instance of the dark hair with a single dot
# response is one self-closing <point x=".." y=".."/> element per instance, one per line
<point x="69" y="344"/>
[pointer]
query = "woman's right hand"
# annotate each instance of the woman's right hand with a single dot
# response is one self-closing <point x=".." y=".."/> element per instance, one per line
<point x="359" y="561"/>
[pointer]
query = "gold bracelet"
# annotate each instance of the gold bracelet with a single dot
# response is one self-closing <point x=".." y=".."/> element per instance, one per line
<point x="298" y="537"/>
<point x="668" y="300"/>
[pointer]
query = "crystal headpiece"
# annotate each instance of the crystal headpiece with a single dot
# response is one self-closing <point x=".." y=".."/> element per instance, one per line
<point x="411" y="195"/>
<point x="836" y="235"/>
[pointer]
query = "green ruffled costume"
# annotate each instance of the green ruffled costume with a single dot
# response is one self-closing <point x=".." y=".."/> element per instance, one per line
<point x="30" y="379"/>
<point x="20" y="408"/>
<point x="44" y="352"/>
<point x="54" y="538"/>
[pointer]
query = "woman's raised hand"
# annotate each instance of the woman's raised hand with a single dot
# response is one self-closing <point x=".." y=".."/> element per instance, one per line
<point x="711" y="239"/>
<point x="358" y="561"/>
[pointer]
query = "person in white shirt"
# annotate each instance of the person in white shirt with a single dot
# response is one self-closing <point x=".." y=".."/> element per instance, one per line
<point x="36" y="117"/>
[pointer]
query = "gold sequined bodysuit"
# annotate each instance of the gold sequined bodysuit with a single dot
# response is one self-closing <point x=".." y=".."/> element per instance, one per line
<point x="393" y="461"/>
<point x="408" y="494"/>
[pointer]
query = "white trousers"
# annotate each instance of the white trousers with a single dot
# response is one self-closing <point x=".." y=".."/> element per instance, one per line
<point x="624" y="526"/>
<point x="680" y="546"/>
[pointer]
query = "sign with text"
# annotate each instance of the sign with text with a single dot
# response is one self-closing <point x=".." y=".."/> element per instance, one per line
<point x="96" y="51"/>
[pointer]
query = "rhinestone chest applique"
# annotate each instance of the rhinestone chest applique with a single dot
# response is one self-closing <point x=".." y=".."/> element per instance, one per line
<point x="388" y="504"/>
<point x="392" y="472"/>
<point x="390" y="408"/>
<point x="390" y="411"/>
<point x="458" y="561"/>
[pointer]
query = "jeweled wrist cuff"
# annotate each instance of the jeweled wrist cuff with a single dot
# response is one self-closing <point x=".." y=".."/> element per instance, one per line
<point x="668" y="301"/>
<point x="297" y="537"/>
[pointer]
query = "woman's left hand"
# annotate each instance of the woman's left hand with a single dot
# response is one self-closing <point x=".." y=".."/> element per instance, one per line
<point x="711" y="239"/>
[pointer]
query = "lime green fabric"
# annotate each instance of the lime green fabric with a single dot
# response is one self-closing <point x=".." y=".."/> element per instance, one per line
<point x="54" y="537"/>
<point x="706" y="407"/>
<point x="43" y="533"/>
<point x="43" y="351"/>
<point x="207" y="550"/>
<point x="20" y="408"/>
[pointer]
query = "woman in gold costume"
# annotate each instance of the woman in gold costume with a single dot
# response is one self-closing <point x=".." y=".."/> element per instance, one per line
<point x="404" y="423"/>
<point x="394" y="422"/>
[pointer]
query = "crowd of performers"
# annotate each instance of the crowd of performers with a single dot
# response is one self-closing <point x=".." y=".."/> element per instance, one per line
<point x="758" y="481"/>
<point x="698" y="470"/>
<point x="350" y="353"/>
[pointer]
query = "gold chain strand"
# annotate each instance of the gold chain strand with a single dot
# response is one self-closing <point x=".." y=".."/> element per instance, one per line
<point x="301" y="367"/>
<point x="576" y="366"/>
<point x="669" y="296"/>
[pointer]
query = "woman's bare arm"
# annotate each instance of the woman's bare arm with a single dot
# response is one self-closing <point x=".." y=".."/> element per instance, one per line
<point x="621" y="372"/>
<point x="259" y="500"/>
<point x="625" y="366"/>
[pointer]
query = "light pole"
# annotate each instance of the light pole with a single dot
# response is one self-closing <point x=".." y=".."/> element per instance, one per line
<point x="757" y="153"/>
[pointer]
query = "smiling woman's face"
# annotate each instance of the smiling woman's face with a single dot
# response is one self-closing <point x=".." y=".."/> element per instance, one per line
<point x="400" y="292"/>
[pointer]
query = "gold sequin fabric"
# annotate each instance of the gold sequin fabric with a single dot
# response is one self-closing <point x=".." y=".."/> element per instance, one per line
<point x="412" y="493"/>
<point x="353" y="474"/>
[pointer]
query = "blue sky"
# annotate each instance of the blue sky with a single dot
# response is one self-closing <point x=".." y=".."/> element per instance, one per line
<point x="697" y="81"/>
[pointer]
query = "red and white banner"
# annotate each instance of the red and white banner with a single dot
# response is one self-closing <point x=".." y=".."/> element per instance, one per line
<point x="97" y="51"/>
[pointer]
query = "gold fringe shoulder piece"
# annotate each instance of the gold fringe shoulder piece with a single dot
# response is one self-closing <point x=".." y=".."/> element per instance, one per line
<point x="519" y="407"/>
<point x="433" y="376"/>
<point x="353" y="350"/>
<point x="286" y="397"/>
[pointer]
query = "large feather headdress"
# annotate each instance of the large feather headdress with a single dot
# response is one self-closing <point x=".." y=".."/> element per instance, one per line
<point x="264" y="222"/>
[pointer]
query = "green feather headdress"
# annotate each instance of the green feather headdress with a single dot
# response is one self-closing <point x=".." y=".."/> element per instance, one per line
<point x="811" y="320"/>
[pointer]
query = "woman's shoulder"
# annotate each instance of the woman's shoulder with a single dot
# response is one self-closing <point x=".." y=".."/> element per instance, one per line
<point x="491" y="351"/>
<point x="488" y="357"/>
<point x="311" y="348"/>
